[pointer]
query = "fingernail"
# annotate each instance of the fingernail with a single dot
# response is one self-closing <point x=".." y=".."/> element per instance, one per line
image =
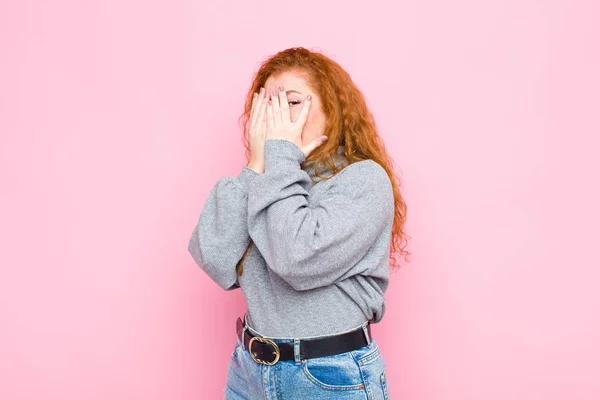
<point x="309" y="97"/>
<point x="324" y="139"/>
<point x="281" y="88"/>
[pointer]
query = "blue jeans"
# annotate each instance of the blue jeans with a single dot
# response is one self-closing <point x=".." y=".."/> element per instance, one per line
<point x="356" y="374"/>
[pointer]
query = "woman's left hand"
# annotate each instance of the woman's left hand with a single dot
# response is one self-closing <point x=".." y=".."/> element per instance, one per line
<point x="280" y="125"/>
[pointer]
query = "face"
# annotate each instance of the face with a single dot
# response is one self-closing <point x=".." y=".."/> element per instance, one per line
<point x="297" y="89"/>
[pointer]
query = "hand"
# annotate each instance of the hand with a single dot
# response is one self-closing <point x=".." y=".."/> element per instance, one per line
<point x="280" y="125"/>
<point x="257" y="132"/>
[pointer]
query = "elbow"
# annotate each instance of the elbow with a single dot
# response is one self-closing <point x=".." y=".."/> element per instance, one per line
<point x="211" y="262"/>
<point x="195" y="249"/>
<point x="225" y="279"/>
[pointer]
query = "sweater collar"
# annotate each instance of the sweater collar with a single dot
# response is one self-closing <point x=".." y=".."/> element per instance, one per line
<point x="338" y="159"/>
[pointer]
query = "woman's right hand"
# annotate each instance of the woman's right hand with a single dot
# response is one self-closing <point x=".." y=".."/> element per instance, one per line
<point x="258" y="129"/>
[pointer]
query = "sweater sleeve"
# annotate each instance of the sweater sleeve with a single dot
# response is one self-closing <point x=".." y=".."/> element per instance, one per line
<point x="220" y="237"/>
<point x="314" y="242"/>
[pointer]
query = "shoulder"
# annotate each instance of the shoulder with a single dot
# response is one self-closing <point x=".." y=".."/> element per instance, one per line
<point x="365" y="173"/>
<point x="364" y="179"/>
<point x="371" y="189"/>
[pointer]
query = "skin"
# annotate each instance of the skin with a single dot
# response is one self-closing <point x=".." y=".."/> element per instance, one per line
<point x="294" y="114"/>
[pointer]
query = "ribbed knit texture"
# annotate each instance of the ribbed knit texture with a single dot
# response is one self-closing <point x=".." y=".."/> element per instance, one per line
<point x="320" y="260"/>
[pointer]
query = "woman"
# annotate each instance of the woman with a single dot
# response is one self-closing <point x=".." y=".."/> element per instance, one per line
<point x="307" y="230"/>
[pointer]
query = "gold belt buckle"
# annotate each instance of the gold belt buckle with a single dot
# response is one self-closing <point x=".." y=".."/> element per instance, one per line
<point x="268" y="341"/>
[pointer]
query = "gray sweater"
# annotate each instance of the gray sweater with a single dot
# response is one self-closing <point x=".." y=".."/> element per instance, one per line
<point x="320" y="260"/>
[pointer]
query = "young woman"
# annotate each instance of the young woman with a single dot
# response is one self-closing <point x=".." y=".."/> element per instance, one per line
<point x="307" y="230"/>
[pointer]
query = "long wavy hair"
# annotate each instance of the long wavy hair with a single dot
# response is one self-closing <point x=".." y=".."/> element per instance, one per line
<point x="349" y="124"/>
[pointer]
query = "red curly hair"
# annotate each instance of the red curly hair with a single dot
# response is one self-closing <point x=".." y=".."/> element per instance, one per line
<point x="349" y="124"/>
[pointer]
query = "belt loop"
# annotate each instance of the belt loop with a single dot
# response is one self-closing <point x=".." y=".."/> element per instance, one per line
<point x="243" y="341"/>
<point x="244" y="330"/>
<point x="297" y="351"/>
<point x="364" y="328"/>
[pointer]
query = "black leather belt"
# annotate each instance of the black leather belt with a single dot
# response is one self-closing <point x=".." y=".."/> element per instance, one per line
<point x="265" y="351"/>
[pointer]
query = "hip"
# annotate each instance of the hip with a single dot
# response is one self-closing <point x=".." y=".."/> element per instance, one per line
<point x="355" y="374"/>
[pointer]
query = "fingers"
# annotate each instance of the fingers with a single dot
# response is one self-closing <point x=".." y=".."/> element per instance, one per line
<point x="254" y="97"/>
<point x="261" y="126"/>
<point x="304" y="112"/>
<point x="314" y="144"/>
<point x="276" y="109"/>
<point x="270" y="125"/>
<point x="258" y="101"/>
<point x="284" y="108"/>
<point x="260" y="117"/>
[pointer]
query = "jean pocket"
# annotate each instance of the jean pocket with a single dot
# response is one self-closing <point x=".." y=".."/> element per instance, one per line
<point x="373" y="370"/>
<point x="336" y="372"/>
<point x="367" y="354"/>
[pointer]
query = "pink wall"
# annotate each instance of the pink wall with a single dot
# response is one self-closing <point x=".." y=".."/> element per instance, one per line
<point x="115" y="117"/>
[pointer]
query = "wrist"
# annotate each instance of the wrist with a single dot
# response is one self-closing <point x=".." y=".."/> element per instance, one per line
<point x="282" y="153"/>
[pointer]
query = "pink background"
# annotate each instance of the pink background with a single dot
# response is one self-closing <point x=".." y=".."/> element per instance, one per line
<point x="117" y="117"/>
